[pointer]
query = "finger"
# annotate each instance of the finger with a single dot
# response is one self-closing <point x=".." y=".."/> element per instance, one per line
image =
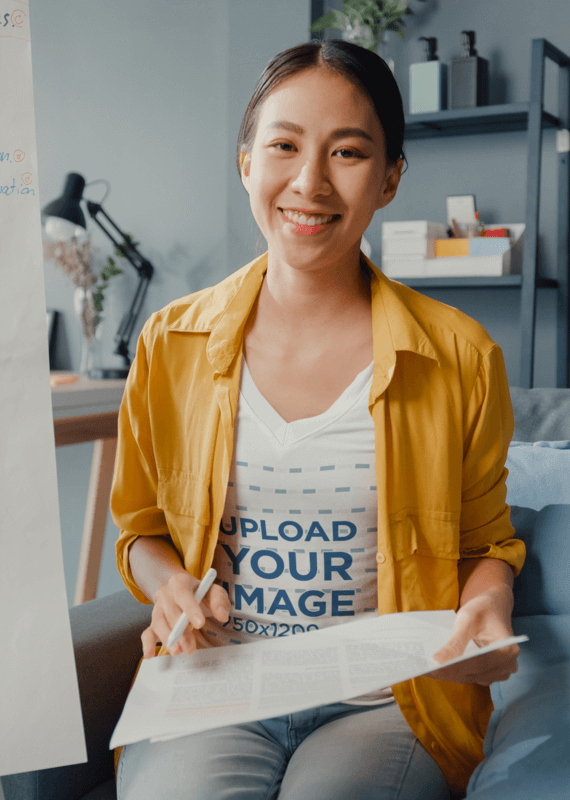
<point x="219" y="603"/>
<point x="187" y="641"/>
<point x="216" y="604"/>
<point x="149" y="641"/>
<point x="454" y="647"/>
<point x="178" y="597"/>
<point x="481" y="670"/>
<point x="464" y="629"/>
<point x="164" y="617"/>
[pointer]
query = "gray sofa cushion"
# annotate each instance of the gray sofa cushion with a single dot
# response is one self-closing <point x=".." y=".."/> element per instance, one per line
<point x="540" y="414"/>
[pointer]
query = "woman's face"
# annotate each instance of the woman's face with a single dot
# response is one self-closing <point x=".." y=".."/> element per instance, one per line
<point x="302" y="159"/>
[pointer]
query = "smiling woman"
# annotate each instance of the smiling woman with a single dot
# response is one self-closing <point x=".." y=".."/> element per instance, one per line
<point x="333" y="444"/>
<point x="319" y="153"/>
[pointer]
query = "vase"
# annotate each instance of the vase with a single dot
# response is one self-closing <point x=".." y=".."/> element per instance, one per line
<point x="90" y="325"/>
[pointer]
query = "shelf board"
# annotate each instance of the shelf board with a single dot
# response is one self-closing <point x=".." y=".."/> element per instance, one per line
<point x="474" y="282"/>
<point x="468" y="121"/>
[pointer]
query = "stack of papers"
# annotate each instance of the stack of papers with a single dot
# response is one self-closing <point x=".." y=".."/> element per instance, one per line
<point x="179" y="695"/>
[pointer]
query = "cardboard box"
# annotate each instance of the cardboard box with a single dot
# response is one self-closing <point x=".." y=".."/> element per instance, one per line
<point x="451" y="247"/>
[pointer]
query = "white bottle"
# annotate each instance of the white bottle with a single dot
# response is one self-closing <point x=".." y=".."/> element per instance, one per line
<point x="428" y="81"/>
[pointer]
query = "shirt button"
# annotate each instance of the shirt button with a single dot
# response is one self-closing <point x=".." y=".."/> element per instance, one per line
<point x="434" y="747"/>
<point x="380" y="558"/>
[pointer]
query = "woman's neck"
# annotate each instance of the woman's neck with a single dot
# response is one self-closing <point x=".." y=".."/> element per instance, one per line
<point x="313" y="299"/>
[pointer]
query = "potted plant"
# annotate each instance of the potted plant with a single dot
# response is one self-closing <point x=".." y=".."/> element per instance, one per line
<point x="365" y="22"/>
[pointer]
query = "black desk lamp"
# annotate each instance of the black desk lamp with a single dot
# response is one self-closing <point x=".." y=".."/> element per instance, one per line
<point x="63" y="219"/>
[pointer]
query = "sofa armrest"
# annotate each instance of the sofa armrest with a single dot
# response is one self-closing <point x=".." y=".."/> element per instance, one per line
<point x="107" y="646"/>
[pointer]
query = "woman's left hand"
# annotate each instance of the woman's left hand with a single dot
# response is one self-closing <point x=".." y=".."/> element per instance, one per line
<point x="485" y="618"/>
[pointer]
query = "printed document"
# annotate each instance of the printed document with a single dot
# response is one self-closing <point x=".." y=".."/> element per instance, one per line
<point x="177" y="695"/>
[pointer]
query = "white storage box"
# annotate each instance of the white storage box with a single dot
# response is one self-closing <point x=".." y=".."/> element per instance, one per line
<point x="508" y="263"/>
<point x="406" y="228"/>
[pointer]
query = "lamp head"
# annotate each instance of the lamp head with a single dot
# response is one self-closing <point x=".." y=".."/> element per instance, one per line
<point x="63" y="218"/>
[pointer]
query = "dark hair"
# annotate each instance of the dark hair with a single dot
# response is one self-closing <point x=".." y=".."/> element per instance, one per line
<point x="365" y="69"/>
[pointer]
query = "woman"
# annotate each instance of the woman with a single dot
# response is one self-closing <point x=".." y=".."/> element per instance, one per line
<point x="333" y="443"/>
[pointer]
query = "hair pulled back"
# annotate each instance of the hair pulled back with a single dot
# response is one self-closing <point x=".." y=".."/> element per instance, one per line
<point x="365" y="69"/>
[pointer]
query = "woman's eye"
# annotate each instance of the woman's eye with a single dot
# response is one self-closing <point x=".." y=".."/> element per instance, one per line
<point x="351" y="153"/>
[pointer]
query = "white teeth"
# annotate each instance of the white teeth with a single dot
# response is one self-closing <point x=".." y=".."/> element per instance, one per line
<point x="302" y="219"/>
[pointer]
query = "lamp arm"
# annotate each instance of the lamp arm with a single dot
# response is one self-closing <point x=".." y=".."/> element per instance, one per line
<point x="130" y="252"/>
<point x="125" y="331"/>
<point x="145" y="271"/>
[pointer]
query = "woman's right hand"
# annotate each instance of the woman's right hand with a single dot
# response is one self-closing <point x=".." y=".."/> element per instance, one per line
<point x="171" y="600"/>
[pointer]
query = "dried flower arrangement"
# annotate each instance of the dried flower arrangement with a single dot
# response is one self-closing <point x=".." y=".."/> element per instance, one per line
<point x="76" y="261"/>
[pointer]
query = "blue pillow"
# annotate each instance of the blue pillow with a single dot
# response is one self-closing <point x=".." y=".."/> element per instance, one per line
<point x="538" y="491"/>
<point x="528" y="737"/>
<point x="539" y="474"/>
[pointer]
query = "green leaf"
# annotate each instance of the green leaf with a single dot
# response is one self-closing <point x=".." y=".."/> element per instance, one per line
<point x="332" y="20"/>
<point x="96" y="320"/>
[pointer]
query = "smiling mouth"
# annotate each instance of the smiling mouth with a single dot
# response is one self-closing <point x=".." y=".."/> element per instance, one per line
<point x="311" y="220"/>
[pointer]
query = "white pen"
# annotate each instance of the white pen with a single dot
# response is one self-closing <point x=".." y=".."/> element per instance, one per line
<point x="183" y="621"/>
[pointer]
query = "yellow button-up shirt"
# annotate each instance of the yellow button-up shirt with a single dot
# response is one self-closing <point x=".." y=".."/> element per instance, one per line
<point x="443" y="422"/>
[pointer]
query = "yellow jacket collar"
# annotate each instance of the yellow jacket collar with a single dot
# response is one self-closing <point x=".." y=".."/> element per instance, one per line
<point x="223" y="310"/>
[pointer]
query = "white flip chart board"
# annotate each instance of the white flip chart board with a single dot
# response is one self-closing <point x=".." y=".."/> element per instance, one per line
<point x="40" y="713"/>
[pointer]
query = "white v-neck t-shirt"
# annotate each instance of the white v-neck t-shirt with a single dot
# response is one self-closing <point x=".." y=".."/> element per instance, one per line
<point x="298" y="537"/>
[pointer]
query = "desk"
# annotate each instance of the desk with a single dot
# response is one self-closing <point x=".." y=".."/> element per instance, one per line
<point x="88" y="411"/>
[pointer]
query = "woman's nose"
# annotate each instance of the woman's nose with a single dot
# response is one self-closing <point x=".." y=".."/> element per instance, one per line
<point x="312" y="178"/>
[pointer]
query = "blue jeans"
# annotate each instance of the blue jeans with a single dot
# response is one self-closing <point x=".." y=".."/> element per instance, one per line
<point x="331" y="752"/>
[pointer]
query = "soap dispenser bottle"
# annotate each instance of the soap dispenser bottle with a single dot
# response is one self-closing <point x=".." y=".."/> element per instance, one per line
<point x="469" y="76"/>
<point x="428" y="81"/>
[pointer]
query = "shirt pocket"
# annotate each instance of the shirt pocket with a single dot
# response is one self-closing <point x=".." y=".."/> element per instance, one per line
<point x="425" y="533"/>
<point x="184" y="494"/>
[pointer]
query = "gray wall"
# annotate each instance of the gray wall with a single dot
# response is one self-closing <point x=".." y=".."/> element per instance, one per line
<point x="152" y="101"/>
<point x="151" y="98"/>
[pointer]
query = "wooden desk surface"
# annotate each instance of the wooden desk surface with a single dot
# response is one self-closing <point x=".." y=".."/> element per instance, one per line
<point x="86" y="397"/>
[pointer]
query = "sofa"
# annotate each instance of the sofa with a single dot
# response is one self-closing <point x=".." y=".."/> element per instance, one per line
<point x="527" y="745"/>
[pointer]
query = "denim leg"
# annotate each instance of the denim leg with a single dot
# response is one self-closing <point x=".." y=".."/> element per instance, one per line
<point x="368" y="755"/>
<point x="333" y="752"/>
<point x="238" y="762"/>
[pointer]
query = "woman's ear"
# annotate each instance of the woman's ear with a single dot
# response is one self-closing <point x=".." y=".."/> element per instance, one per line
<point x="391" y="182"/>
<point x="245" y="160"/>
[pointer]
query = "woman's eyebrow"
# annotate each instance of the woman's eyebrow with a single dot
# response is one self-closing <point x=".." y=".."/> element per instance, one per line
<point x="339" y="133"/>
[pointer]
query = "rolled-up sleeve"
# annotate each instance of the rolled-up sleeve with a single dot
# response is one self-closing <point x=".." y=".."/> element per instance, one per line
<point x="135" y="480"/>
<point x="485" y="526"/>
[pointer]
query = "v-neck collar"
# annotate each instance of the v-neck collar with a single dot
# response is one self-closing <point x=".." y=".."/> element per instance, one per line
<point x="289" y="432"/>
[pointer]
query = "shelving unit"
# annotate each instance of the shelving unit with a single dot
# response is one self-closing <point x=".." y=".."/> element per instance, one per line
<point x="534" y="119"/>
